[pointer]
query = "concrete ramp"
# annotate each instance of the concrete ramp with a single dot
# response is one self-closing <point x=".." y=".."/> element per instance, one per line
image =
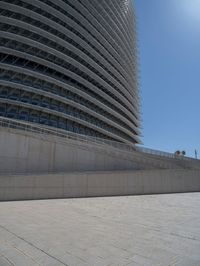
<point x="92" y="184"/>
<point x="40" y="150"/>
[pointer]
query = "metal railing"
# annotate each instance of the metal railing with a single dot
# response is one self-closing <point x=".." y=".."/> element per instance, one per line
<point x="157" y="152"/>
<point x="46" y="130"/>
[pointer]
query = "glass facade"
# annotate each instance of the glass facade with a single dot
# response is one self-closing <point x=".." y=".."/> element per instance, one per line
<point x="71" y="64"/>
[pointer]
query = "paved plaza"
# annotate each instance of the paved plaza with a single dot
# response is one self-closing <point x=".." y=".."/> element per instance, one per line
<point x="137" y="230"/>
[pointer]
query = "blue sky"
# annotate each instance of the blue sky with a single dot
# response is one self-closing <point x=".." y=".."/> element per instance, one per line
<point x="169" y="48"/>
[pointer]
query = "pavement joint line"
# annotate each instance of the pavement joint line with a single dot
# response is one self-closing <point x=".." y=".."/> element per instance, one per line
<point x="27" y="255"/>
<point x="31" y="244"/>
<point x="7" y="259"/>
<point x="75" y="256"/>
<point x="21" y="251"/>
<point x="185" y="237"/>
<point x="139" y="264"/>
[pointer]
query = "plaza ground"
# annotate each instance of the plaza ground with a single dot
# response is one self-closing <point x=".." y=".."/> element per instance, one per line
<point x="146" y="230"/>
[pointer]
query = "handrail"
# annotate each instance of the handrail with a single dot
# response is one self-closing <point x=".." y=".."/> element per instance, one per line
<point x="157" y="152"/>
<point x="47" y="130"/>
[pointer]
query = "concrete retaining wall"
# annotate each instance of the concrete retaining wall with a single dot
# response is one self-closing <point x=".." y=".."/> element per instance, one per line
<point x="20" y="187"/>
<point x="24" y="152"/>
<point x="27" y="152"/>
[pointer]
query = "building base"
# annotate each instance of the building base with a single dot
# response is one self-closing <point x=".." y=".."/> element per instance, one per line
<point x="93" y="184"/>
<point x="38" y="163"/>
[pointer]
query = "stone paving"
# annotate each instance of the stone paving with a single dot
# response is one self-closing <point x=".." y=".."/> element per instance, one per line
<point x="138" y="230"/>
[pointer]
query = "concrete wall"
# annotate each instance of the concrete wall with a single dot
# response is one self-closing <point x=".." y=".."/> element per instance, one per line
<point x="20" y="187"/>
<point x="26" y="152"/>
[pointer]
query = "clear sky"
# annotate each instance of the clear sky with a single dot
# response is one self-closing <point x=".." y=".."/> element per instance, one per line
<point x="169" y="49"/>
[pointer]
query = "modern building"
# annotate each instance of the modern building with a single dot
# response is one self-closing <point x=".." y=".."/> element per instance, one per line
<point x="71" y="64"/>
<point x="70" y="106"/>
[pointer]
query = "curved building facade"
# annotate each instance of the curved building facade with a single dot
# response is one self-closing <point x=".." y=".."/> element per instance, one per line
<point x="71" y="64"/>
